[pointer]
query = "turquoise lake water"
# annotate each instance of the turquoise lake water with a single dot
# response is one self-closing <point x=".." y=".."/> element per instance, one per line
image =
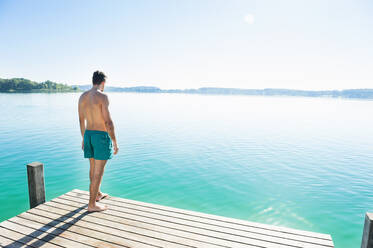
<point x="303" y="163"/>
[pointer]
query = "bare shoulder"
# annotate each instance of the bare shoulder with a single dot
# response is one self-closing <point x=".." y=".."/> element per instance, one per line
<point x="85" y="93"/>
<point x="82" y="96"/>
<point x="103" y="97"/>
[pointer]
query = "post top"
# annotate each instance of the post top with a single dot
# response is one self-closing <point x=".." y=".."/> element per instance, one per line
<point x="370" y="215"/>
<point x="35" y="164"/>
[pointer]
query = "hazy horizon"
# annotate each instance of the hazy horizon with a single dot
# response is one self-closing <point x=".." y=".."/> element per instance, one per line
<point x="212" y="86"/>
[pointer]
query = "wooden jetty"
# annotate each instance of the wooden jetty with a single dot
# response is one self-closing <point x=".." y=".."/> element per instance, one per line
<point x="65" y="222"/>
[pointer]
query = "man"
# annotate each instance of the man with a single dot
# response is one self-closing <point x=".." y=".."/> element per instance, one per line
<point x="98" y="135"/>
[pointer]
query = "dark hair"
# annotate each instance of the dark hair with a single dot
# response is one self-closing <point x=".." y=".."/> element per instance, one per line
<point x="98" y="77"/>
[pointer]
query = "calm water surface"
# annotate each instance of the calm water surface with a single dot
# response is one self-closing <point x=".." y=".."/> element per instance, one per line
<point x="304" y="163"/>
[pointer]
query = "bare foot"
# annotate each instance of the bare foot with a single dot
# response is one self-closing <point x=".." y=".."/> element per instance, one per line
<point x="100" y="196"/>
<point x="97" y="208"/>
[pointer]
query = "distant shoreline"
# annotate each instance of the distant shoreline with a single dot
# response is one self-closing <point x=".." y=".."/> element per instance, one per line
<point x="21" y="85"/>
<point x="39" y="91"/>
<point x="348" y="93"/>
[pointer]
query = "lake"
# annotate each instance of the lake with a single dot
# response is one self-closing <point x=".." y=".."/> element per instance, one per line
<point x="303" y="163"/>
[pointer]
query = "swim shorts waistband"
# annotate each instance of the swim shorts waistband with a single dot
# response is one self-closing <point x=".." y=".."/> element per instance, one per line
<point x="95" y="131"/>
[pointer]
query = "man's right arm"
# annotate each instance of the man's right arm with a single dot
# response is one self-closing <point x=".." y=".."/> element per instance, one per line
<point x="81" y="120"/>
<point x="108" y="122"/>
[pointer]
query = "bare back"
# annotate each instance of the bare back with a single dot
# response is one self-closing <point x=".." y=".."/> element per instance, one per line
<point x="90" y="106"/>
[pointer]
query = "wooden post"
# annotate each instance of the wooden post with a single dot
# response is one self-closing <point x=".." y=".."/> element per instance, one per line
<point x="36" y="190"/>
<point x="367" y="241"/>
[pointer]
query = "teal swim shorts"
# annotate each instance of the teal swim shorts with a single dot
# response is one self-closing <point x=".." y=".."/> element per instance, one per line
<point x="97" y="145"/>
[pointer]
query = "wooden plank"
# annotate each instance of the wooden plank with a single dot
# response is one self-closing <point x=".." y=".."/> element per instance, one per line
<point x="182" y="230"/>
<point x="239" y="224"/>
<point x="41" y="235"/>
<point x="218" y="226"/>
<point x="206" y="232"/>
<point x="191" y="239"/>
<point x="114" y="240"/>
<point x="8" y="243"/>
<point x="120" y="226"/>
<point x="60" y="229"/>
<point x="130" y="233"/>
<point x="10" y="238"/>
<point x="225" y="233"/>
<point x="196" y="237"/>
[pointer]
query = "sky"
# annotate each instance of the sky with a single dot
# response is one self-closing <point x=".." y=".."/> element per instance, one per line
<point x="296" y="44"/>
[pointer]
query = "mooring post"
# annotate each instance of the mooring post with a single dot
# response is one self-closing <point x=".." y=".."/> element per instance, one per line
<point x="36" y="190"/>
<point x="367" y="241"/>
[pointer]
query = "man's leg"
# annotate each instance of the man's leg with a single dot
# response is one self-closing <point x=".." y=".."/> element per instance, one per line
<point x="98" y="171"/>
<point x="91" y="170"/>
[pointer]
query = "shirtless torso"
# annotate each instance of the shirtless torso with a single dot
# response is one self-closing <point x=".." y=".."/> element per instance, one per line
<point x="92" y="104"/>
<point x="94" y="114"/>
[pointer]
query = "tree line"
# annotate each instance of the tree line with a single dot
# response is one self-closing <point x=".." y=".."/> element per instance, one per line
<point x="26" y="85"/>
